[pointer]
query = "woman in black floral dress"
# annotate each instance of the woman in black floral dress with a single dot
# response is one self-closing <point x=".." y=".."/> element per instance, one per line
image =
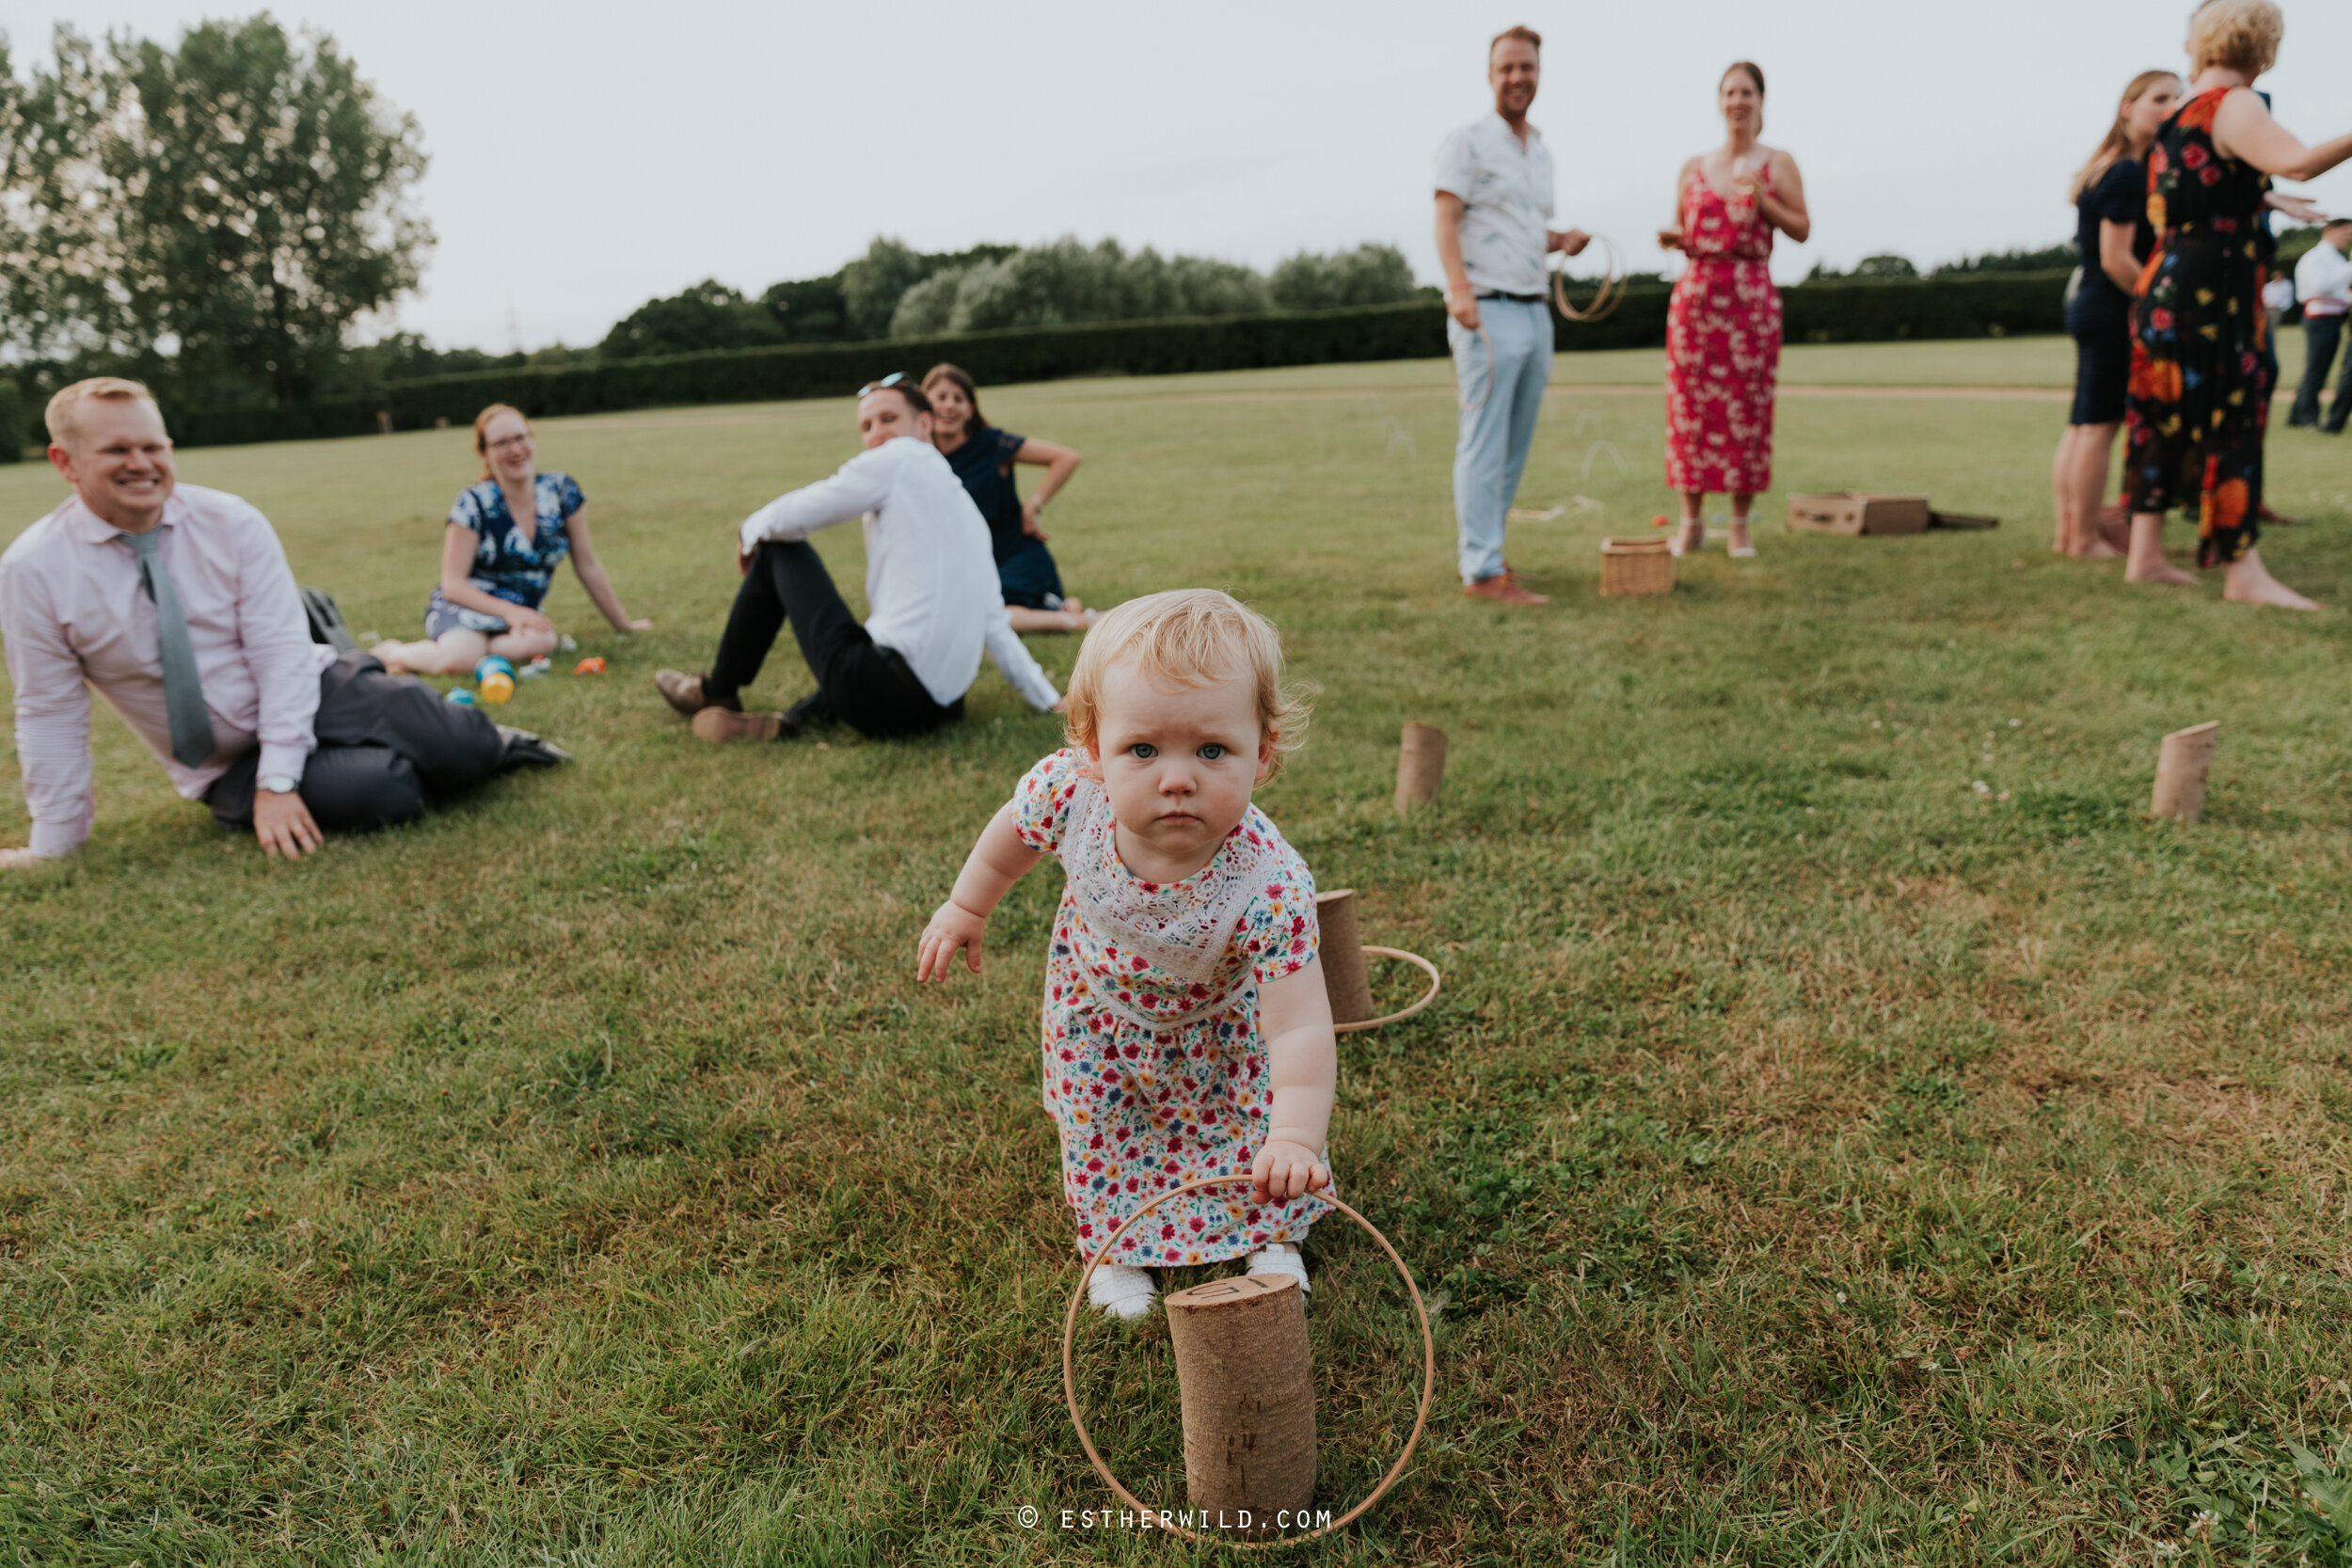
<point x="2201" y="381"/>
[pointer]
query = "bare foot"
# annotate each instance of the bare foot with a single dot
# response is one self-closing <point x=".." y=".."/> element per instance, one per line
<point x="2098" y="549"/>
<point x="2146" y="562"/>
<point x="1692" y="538"/>
<point x="2250" y="582"/>
<point x="1081" y="619"/>
<point x="386" y="651"/>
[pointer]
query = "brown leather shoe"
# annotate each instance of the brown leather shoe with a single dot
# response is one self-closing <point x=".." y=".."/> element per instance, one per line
<point x="721" y="724"/>
<point x="685" y="692"/>
<point x="1504" y="588"/>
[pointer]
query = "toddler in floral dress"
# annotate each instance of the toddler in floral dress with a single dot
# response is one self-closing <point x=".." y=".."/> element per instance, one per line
<point x="1187" y="1034"/>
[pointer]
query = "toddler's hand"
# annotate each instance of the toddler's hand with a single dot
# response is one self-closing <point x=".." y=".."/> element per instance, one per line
<point x="1284" y="1170"/>
<point x="952" y="927"/>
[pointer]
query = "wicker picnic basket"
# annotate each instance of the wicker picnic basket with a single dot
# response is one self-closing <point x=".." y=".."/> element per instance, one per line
<point x="1630" y="566"/>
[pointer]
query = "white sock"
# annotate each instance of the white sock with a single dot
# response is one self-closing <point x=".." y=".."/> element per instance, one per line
<point x="1280" y="1257"/>
<point x="1122" y="1291"/>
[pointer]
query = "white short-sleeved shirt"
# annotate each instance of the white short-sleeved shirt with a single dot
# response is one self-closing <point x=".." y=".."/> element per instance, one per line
<point x="1506" y="195"/>
<point x="2322" y="281"/>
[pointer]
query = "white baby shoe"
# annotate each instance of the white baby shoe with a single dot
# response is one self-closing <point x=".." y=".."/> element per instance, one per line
<point x="1280" y="1257"/>
<point x="1122" y="1291"/>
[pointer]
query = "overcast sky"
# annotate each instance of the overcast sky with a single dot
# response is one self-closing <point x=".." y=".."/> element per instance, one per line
<point x="586" y="156"/>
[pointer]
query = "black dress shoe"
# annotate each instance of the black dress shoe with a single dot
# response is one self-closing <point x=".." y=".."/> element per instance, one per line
<point x="526" y="750"/>
<point x="804" y="715"/>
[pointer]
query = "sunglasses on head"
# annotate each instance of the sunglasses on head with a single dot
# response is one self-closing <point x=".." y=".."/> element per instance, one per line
<point x="884" y="384"/>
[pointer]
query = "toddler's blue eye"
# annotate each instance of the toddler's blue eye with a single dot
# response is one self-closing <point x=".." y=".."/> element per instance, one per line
<point x="1143" y="751"/>
<point x="1212" y="752"/>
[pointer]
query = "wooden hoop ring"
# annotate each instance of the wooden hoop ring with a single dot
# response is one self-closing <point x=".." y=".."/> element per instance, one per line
<point x="1070" y="1374"/>
<point x="1604" y="301"/>
<point x="1436" y="984"/>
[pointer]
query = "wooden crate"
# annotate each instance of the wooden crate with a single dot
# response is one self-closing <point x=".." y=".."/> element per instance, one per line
<point x="1633" y="566"/>
<point x="1858" y="512"/>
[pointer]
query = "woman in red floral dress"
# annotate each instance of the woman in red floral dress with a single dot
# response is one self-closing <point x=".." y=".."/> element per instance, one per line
<point x="1723" y="326"/>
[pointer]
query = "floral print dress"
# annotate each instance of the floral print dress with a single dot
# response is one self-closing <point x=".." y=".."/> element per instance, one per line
<point x="2201" y="375"/>
<point x="1722" y="346"/>
<point x="1155" y="1072"/>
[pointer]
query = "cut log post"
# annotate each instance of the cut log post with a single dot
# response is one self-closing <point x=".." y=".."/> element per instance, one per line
<point x="2180" y="766"/>
<point x="1419" y="766"/>
<point x="1245" y="1377"/>
<point x="1344" y="977"/>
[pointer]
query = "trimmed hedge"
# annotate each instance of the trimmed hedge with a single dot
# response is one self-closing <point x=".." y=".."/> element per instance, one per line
<point x="1839" y="310"/>
<point x="15" y="435"/>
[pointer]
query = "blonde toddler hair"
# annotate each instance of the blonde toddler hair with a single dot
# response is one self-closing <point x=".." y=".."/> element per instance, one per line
<point x="2236" y="35"/>
<point x="1188" y="637"/>
<point x="62" y="416"/>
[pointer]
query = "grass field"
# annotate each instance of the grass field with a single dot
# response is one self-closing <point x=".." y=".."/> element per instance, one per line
<point x="1850" y="1132"/>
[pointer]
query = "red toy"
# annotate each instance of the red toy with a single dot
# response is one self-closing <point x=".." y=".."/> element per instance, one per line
<point x="589" y="667"/>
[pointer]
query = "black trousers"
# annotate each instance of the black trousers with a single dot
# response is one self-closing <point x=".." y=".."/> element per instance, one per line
<point x="865" y="686"/>
<point x="387" y="744"/>
<point x="2320" y="336"/>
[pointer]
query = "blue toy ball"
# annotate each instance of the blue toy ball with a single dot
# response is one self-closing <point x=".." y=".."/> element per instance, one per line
<point x="462" y="697"/>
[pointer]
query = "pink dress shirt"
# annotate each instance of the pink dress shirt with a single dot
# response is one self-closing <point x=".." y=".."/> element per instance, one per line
<point x="75" y="616"/>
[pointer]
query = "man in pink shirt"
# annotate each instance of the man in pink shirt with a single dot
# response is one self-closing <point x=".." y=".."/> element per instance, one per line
<point x="177" y="605"/>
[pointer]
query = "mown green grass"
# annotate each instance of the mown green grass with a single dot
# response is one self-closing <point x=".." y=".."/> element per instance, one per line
<point x="1819" y="1160"/>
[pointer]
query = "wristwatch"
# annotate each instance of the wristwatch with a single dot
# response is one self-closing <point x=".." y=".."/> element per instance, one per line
<point x="278" y="783"/>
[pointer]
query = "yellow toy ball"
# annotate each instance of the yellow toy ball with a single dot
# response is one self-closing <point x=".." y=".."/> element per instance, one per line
<point x="496" y="687"/>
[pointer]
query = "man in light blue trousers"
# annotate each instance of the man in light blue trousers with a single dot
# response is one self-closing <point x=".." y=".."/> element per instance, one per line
<point x="1494" y="181"/>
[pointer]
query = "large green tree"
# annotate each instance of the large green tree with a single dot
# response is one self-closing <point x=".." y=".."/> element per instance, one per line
<point x="224" y="211"/>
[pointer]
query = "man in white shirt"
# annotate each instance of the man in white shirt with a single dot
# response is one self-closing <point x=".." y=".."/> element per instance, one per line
<point x="2322" y="281"/>
<point x="930" y="581"/>
<point x="175" y="604"/>
<point x="1494" y="186"/>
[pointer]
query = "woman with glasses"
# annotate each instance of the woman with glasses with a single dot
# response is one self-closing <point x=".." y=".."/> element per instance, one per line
<point x="983" y="457"/>
<point x="506" y="535"/>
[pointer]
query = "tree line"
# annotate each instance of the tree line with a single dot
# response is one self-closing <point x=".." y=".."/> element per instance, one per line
<point x="894" y="291"/>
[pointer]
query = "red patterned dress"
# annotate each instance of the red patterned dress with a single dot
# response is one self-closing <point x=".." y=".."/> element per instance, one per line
<point x="1722" y="346"/>
<point x="1155" y="1070"/>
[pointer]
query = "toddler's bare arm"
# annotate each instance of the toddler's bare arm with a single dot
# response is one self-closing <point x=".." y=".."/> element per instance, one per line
<point x="1303" y="1059"/>
<point x="996" y="861"/>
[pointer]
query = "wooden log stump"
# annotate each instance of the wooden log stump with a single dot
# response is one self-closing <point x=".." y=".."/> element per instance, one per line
<point x="1345" y="979"/>
<point x="2180" y="766"/>
<point x="1244" y="1373"/>
<point x="1419" y="766"/>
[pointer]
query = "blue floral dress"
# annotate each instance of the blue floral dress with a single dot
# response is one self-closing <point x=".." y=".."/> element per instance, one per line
<point x="505" y="564"/>
<point x="1156" y="1072"/>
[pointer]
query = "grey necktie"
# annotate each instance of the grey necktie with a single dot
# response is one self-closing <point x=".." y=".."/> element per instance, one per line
<point x="184" y="694"/>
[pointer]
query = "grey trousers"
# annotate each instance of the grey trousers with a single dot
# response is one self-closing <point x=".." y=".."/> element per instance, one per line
<point x="387" y="744"/>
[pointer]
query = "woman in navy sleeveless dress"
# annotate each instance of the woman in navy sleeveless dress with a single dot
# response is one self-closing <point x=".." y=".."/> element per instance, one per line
<point x="983" y="457"/>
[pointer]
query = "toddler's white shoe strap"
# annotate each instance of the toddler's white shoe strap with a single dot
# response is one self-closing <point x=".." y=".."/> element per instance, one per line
<point x="1281" y="1258"/>
<point x="1122" y="1291"/>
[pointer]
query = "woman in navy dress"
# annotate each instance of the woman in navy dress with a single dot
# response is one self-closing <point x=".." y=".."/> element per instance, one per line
<point x="2112" y="239"/>
<point x="496" y="567"/>
<point x="983" y="457"/>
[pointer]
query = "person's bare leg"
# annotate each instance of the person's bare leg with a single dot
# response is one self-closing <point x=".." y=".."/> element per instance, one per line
<point x="1069" y="618"/>
<point x="2248" y="581"/>
<point x="2146" y="562"/>
<point x="1740" y="501"/>
<point x="1692" y="534"/>
<point x="454" y="653"/>
<point x="2062" y="502"/>
<point x="2087" y="484"/>
<point x="521" y="647"/>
